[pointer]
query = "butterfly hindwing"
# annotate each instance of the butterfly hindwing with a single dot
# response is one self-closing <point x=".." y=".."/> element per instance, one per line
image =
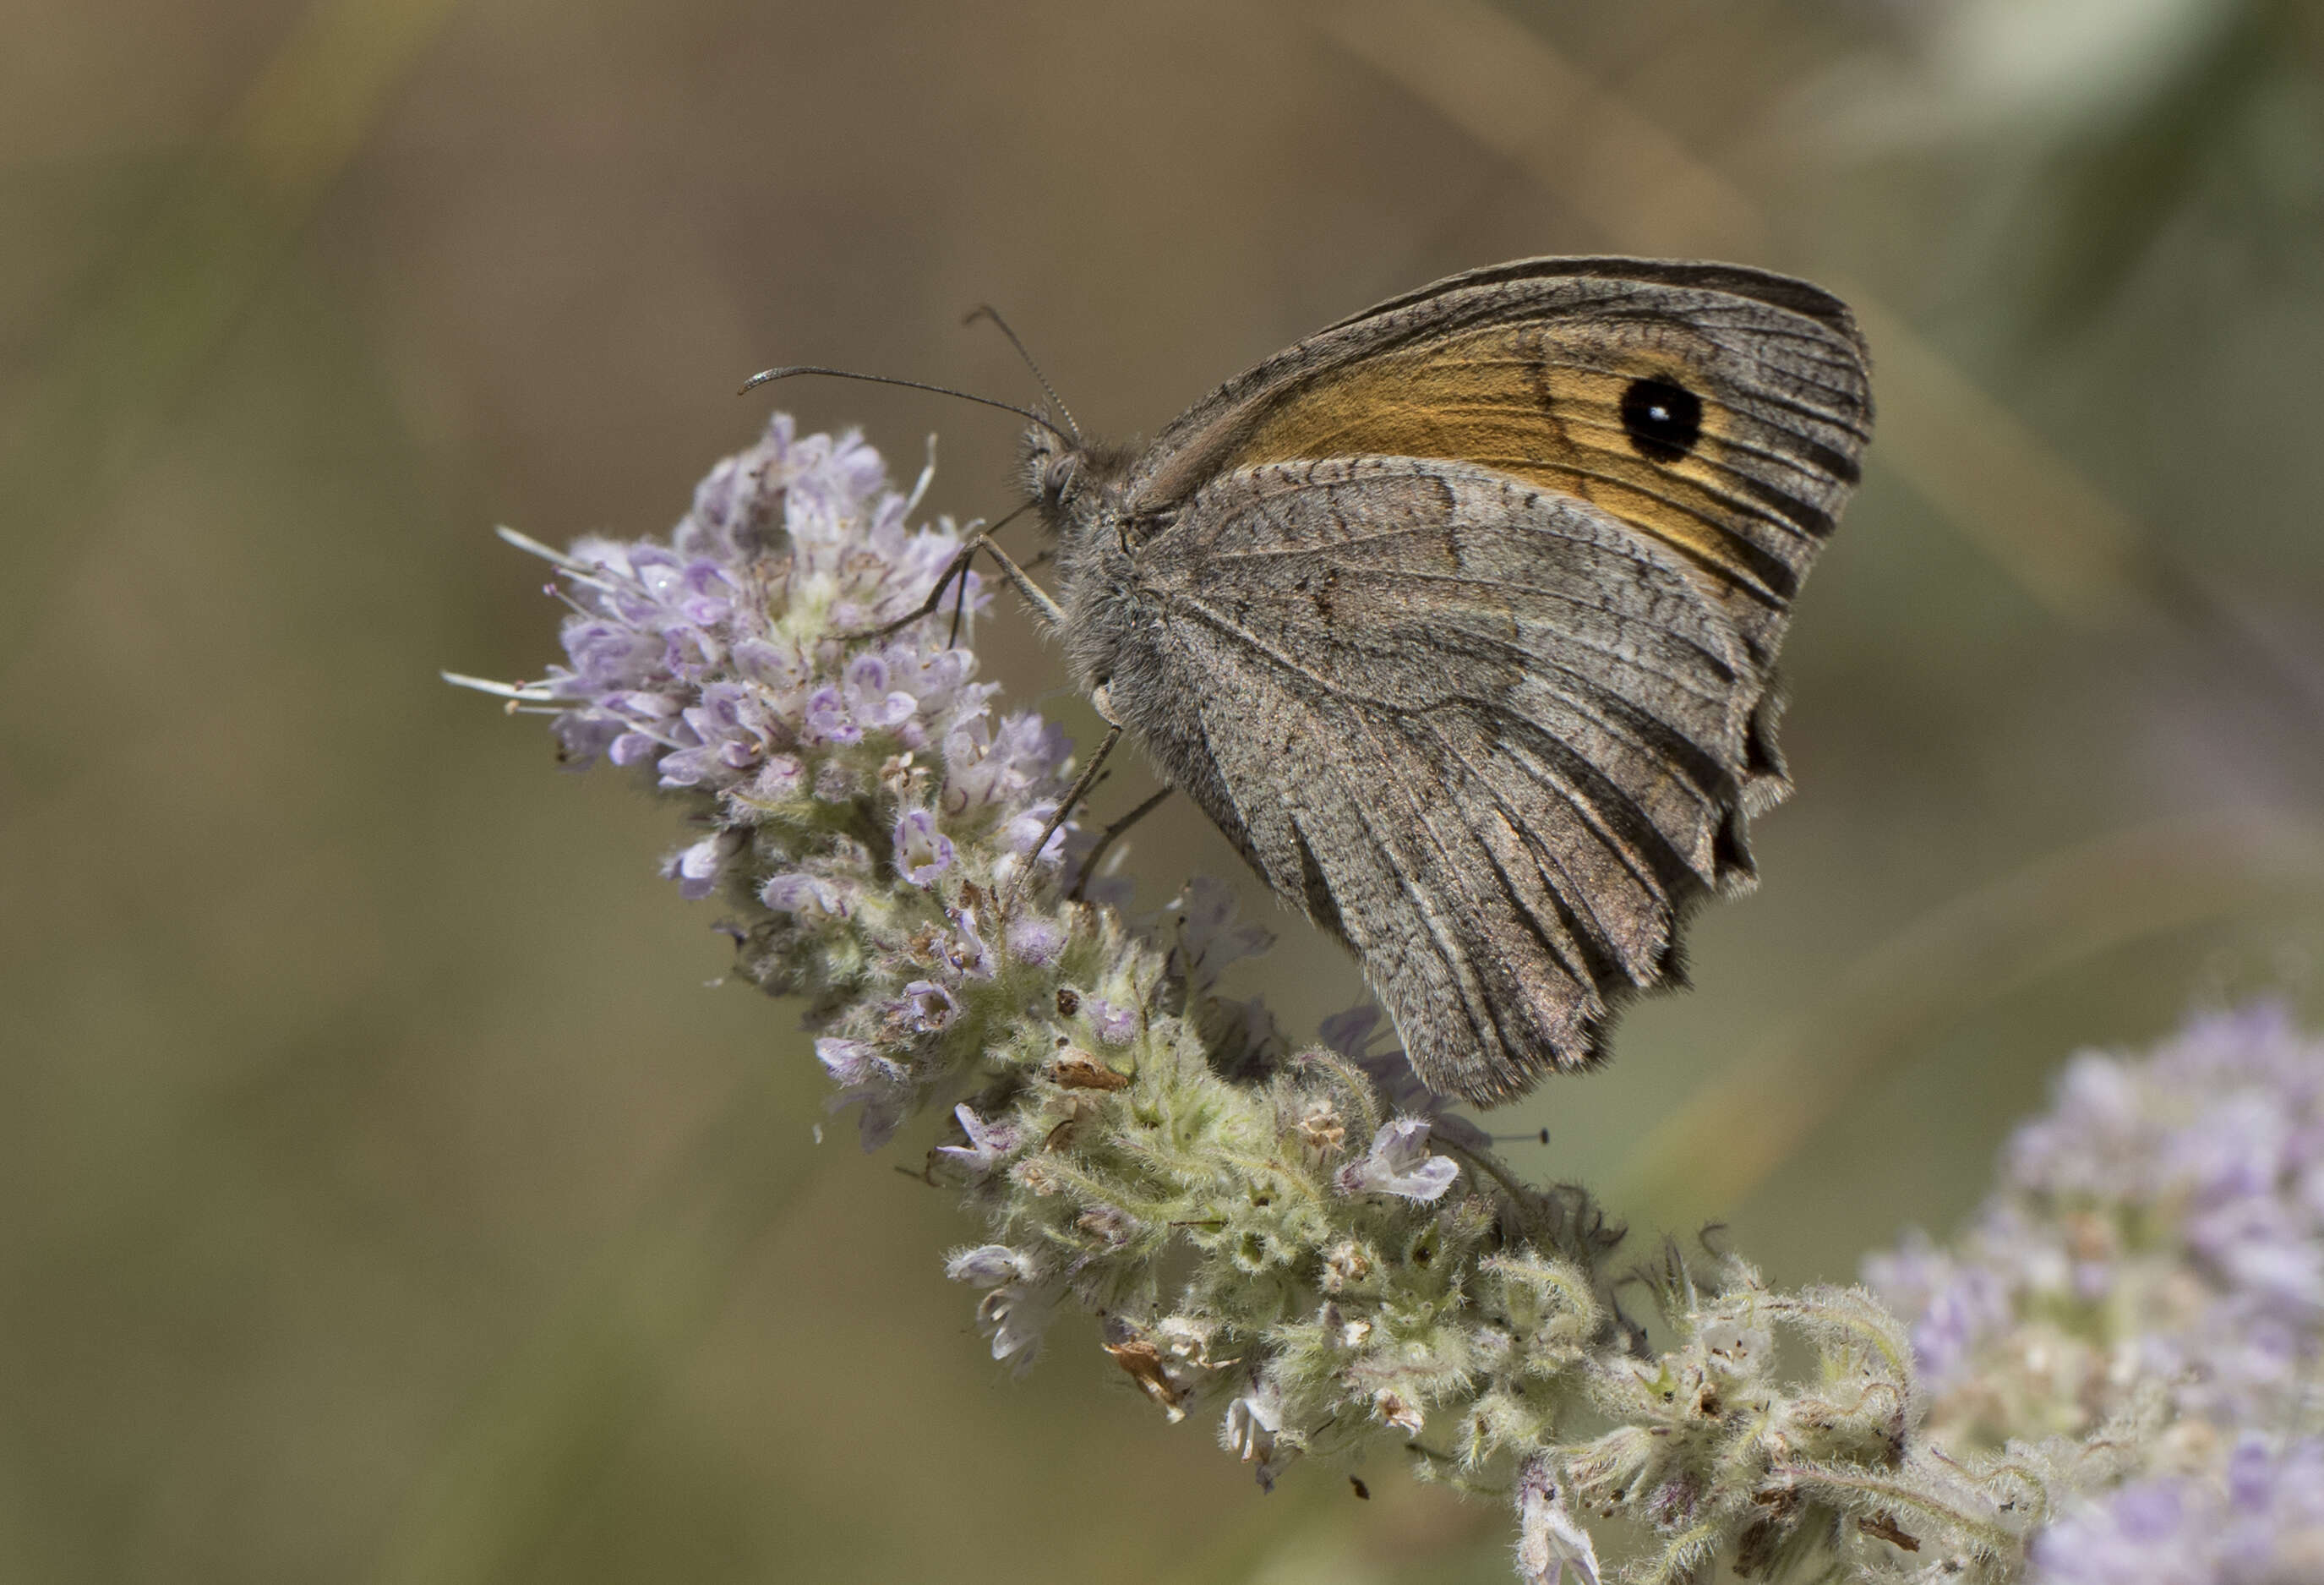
<point x="1476" y="728"/>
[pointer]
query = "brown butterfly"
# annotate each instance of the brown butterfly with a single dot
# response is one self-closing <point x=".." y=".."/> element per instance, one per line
<point x="1459" y="618"/>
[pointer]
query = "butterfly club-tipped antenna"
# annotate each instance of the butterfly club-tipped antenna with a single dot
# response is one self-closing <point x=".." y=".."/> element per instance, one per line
<point x="985" y="311"/>
<point x="790" y="371"/>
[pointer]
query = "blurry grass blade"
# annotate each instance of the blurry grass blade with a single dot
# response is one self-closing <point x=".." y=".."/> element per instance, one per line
<point x="166" y="300"/>
<point x="1991" y="477"/>
<point x="1506" y="87"/>
<point x="315" y="103"/>
<point x="1725" y="1138"/>
<point x="545" y="1429"/>
<point x="2112" y="195"/>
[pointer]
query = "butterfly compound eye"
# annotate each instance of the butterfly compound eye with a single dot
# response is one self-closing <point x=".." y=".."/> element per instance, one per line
<point x="1663" y="420"/>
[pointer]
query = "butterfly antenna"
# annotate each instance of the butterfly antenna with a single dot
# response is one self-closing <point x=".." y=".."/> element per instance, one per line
<point x="786" y="371"/>
<point x="985" y="311"/>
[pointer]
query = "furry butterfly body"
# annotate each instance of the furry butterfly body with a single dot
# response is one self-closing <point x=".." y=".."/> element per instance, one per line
<point x="1460" y="619"/>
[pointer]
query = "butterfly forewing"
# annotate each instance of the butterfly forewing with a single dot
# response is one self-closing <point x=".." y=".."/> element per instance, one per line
<point x="1725" y="425"/>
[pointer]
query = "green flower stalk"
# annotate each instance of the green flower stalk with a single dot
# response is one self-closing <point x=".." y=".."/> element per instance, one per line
<point x="1300" y="1245"/>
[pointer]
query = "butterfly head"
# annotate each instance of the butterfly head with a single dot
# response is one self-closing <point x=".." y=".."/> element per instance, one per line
<point x="1054" y="471"/>
<point x="1070" y="484"/>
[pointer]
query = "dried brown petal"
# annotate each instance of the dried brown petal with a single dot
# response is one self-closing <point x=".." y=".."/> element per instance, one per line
<point x="1079" y="1070"/>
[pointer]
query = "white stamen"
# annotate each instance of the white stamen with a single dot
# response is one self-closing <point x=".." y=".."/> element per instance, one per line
<point x="547" y="553"/>
<point x="537" y="692"/>
<point x="927" y="475"/>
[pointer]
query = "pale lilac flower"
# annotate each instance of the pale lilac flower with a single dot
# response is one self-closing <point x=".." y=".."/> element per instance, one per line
<point x="827" y="718"/>
<point x="678" y="655"/>
<point x="988" y="1144"/>
<point x="1015" y="1310"/>
<point x="870" y="700"/>
<point x="1353" y="1033"/>
<point x="1955" y="1306"/>
<point x="1009" y="762"/>
<point x="630" y="748"/>
<point x="1209" y="936"/>
<point x="1252" y="1432"/>
<point x="1035" y="939"/>
<point x="1025" y="830"/>
<point x="987" y="1265"/>
<point x="697" y="869"/>
<point x="1017" y="1319"/>
<point x="929" y="1007"/>
<point x="780" y="777"/>
<point x="964" y="951"/>
<point x="1398" y="1162"/>
<point x="732" y="659"/>
<point x="811" y="898"/>
<point x="1114" y="1025"/>
<point x="1549" y="1540"/>
<point x="881" y="1086"/>
<point x="922" y="851"/>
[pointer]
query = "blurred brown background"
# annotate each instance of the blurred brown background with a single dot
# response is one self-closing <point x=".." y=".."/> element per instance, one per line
<point x="388" y="1199"/>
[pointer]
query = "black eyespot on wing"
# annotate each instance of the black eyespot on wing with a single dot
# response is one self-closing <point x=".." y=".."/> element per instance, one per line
<point x="1663" y="420"/>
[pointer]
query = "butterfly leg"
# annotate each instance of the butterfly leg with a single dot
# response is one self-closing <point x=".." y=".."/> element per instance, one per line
<point x="1033" y="592"/>
<point x="957" y="568"/>
<point x="960" y="598"/>
<point x="1082" y="783"/>
<point x="1107" y="838"/>
<point x="959" y="610"/>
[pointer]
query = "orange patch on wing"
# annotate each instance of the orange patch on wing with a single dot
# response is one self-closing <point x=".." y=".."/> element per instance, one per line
<point x="1509" y="398"/>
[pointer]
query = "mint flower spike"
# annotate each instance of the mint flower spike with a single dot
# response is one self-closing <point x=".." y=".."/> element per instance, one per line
<point x="1305" y="1247"/>
<point x="2263" y="1523"/>
<point x="2162" y="1226"/>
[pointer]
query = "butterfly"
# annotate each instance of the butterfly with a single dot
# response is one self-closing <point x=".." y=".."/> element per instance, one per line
<point x="1460" y="619"/>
